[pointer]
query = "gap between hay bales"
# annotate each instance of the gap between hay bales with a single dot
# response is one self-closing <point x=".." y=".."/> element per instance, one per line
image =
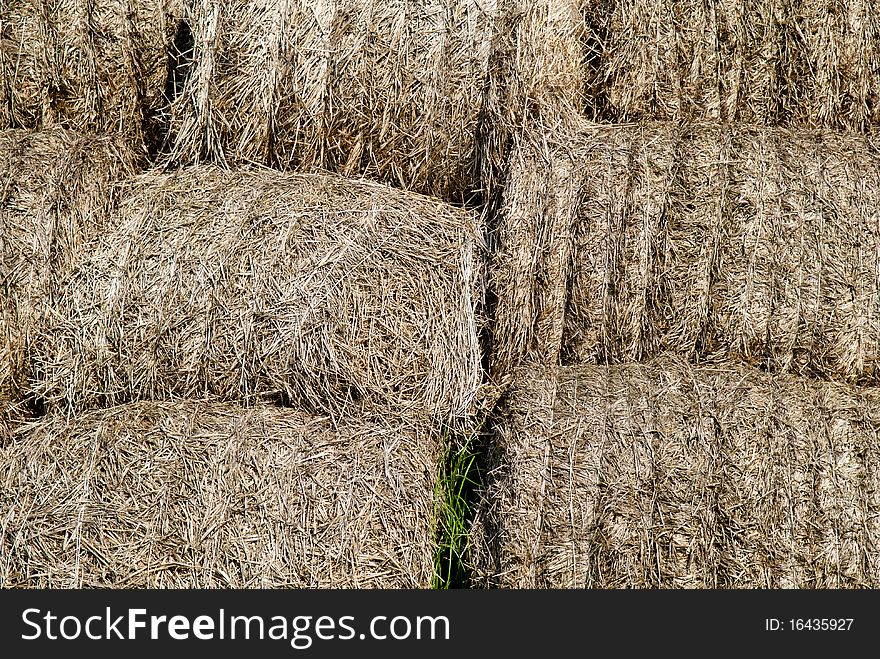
<point x="460" y="479"/>
<point x="424" y="96"/>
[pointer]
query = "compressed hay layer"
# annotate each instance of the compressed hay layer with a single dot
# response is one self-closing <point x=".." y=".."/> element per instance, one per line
<point x="56" y="192"/>
<point x="94" y="66"/>
<point x="257" y="284"/>
<point x="391" y="90"/>
<point x="698" y="240"/>
<point x="210" y="495"/>
<point x="667" y="475"/>
<point x="775" y="62"/>
<point x="531" y="261"/>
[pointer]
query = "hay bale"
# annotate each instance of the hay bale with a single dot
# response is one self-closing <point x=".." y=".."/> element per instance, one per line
<point x="407" y="93"/>
<point x="666" y="475"/>
<point x="698" y="240"/>
<point x="780" y="62"/>
<point x="382" y="89"/>
<point x="56" y="191"/>
<point x="211" y="495"/>
<point x="257" y="284"/>
<point x="93" y="66"/>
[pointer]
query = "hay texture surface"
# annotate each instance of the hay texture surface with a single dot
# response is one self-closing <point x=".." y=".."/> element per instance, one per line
<point x="698" y="240"/>
<point x="422" y="95"/>
<point x="386" y="89"/>
<point x="210" y="495"/>
<point x="666" y="475"/>
<point x="56" y="192"/>
<point x="89" y="65"/>
<point x="536" y="79"/>
<point x="774" y="62"/>
<point x="256" y="284"/>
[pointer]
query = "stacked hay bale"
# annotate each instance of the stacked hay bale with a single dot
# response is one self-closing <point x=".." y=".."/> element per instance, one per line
<point x="95" y="66"/>
<point x="313" y="327"/>
<point x="212" y="294"/>
<point x="732" y="226"/>
<point x="211" y="495"/>
<point x="666" y="475"/>
<point x="394" y="91"/>
<point x="56" y="194"/>
<point x="304" y="289"/>
<point x="778" y="63"/>
<point x="758" y="243"/>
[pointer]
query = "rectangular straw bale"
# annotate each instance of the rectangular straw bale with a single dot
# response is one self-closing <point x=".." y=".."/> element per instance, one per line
<point x="704" y="241"/>
<point x="767" y="62"/>
<point x="211" y="495"/>
<point x="385" y="89"/>
<point x="257" y="284"/>
<point x="668" y="475"/>
<point x="56" y="191"/>
<point x="422" y="95"/>
<point x="88" y="65"/>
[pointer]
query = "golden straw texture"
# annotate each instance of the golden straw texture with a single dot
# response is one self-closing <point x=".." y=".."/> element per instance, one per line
<point x="666" y="475"/>
<point x="211" y="495"/>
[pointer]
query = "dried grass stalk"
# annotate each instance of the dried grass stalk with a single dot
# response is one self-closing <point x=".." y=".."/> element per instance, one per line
<point x="383" y="89"/>
<point x="666" y="475"/>
<point x="781" y="62"/>
<point x="259" y="284"/>
<point x="706" y="242"/>
<point x="210" y="495"/>
<point x="56" y="192"/>
<point x="89" y="65"/>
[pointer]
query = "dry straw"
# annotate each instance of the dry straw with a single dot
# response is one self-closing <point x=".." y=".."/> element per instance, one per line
<point x="420" y="95"/>
<point x="56" y="192"/>
<point x="248" y="285"/>
<point x="699" y="240"/>
<point x="210" y="495"/>
<point x="781" y="62"/>
<point x="665" y="475"/>
<point x="535" y="80"/>
<point x="89" y="65"/>
<point x="531" y="260"/>
<point x="386" y="89"/>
